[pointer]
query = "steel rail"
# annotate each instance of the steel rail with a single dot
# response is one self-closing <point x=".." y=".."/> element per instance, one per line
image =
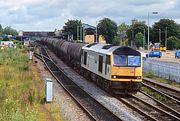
<point x="104" y="110"/>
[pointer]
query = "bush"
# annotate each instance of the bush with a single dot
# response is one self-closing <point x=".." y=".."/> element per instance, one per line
<point x="173" y="43"/>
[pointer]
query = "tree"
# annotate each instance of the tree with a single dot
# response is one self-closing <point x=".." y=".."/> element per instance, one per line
<point x="172" y="30"/>
<point x="116" y="40"/>
<point x="107" y="28"/>
<point x="70" y="27"/>
<point x="1" y="30"/>
<point x="139" y="38"/>
<point x="122" y="31"/>
<point x="9" y="31"/>
<point x="173" y="43"/>
<point x="137" y="26"/>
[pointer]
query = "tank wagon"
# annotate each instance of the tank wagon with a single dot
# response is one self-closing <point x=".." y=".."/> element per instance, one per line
<point x="114" y="68"/>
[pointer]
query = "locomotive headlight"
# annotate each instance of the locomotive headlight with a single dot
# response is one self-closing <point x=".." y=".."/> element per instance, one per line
<point x="114" y="77"/>
<point x="138" y="77"/>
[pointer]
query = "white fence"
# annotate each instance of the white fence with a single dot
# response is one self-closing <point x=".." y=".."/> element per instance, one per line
<point x="163" y="70"/>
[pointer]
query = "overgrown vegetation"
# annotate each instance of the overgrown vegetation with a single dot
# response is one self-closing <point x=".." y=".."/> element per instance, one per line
<point x="20" y="99"/>
<point x="156" y="95"/>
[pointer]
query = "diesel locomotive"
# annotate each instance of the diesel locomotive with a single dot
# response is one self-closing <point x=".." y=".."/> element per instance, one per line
<point x="114" y="68"/>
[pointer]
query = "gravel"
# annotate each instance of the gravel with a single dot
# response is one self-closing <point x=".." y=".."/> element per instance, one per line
<point x="68" y="107"/>
<point x="113" y="104"/>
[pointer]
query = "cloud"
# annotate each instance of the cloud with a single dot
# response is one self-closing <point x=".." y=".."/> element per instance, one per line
<point x="48" y="15"/>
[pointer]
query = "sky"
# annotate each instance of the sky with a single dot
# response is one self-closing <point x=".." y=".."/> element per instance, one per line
<point x="48" y="15"/>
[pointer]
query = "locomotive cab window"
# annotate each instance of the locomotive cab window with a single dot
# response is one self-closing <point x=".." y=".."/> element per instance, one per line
<point x="85" y="58"/>
<point x="127" y="60"/>
<point x="134" y="60"/>
<point x="120" y="60"/>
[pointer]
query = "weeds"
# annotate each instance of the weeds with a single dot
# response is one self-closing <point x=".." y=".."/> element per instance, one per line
<point x="15" y="78"/>
<point x="156" y="95"/>
<point x="18" y="92"/>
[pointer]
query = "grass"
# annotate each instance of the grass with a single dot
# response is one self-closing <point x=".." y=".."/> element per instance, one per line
<point x="160" y="79"/>
<point x="20" y="98"/>
<point x="156" y="95"/>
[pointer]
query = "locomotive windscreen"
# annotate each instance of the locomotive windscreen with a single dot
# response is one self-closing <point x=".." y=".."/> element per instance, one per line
<point x="134" y="61"/>
<point x="126" y="60"/>
<point x="126" y="56"/>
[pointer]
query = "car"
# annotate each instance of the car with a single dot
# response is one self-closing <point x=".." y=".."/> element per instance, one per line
<point x="177" y="54"/>
<point x="155" y="53"/>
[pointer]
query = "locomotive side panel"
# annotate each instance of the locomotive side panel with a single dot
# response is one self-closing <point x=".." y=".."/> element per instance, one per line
<point x="95" y="63"/>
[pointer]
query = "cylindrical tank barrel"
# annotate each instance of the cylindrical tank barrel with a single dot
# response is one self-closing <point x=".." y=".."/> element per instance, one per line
<point x="74" y="50"/>
<point x="64" y="47"/>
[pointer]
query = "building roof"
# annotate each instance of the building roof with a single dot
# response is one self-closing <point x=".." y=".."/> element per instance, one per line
<point x="87" y="26"/>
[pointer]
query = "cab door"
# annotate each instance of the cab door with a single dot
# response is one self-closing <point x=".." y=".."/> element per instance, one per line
<point x="107" y="66"/>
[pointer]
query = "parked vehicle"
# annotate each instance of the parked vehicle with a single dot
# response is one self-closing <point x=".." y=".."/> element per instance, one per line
<point x="155" y="53"/>
<point x="158" y="46"/>
<point x="177" y="54"/>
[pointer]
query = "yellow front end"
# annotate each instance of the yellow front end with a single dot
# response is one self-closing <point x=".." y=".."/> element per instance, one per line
<point x="126" y="74"/>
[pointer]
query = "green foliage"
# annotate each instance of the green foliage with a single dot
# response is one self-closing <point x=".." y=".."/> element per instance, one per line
<point x="123" y="27"/>
<point x="172" y="30"/>
<point x="107" y="28"/>
<point x="70" y="27"/>
<point x="139" y="39"/>
<point x="149" y="74"/>
<point x="126" y="42"/>
<point x="156" y="95"/>
<point x="122" y="31"/>
<point x="137" y="26"/>
<point x="9" y="31"/>
<point x="173" y="43"/>
<point x="14" y="106"/>
<point x="116" y="40"/>
<point x="5" y="39"/>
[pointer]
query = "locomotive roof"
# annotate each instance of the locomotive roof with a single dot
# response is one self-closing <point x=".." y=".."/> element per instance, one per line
<point x="101" y="48"/>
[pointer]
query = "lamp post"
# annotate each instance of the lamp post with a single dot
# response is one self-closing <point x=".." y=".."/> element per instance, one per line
<point x="148" y="27"/>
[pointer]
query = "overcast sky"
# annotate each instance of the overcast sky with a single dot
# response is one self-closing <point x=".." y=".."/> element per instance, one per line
<point x="50" y="14"/>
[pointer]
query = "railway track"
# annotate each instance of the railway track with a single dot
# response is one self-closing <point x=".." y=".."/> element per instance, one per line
<point x="165" y="91"/>
<point x="93" y="108"/>
<point x="148" y="110"/>
<point x="154" y="114"/>
<point x="169" y="90"/>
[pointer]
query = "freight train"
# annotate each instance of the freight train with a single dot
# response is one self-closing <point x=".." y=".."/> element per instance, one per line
<point x="114" y="68"/>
